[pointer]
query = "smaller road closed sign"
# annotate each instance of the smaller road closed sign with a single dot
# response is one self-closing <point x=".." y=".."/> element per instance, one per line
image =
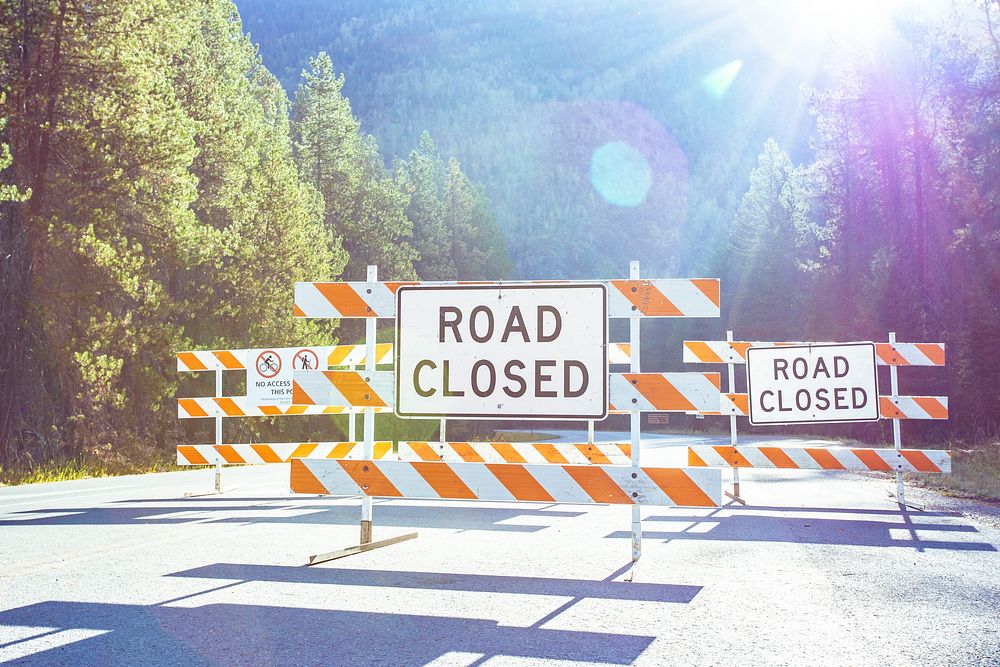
<point x="812" y="384"/>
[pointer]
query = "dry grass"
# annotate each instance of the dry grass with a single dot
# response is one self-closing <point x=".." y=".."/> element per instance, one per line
<point x="975" y="472"/>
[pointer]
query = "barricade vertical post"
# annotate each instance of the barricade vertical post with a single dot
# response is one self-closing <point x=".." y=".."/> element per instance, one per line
<point x="442" y="431"/>
<point x="218" y="433"/>
<point x="351" y="427"/>
<point x="897" y="438"/>
<point x="590" y="432"/>
<point x="732" y="423"/>
<point x="369" y="447"/>
<point x="636" y="421"/>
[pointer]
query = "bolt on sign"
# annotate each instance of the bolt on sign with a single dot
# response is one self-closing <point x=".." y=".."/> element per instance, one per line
<point x="818" y="384"/>
<point x="513" y="351"/>
<point x="269" y="372"/>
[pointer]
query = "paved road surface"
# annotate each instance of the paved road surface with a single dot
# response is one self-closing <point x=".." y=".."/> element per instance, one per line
<point x="821" y="568"/>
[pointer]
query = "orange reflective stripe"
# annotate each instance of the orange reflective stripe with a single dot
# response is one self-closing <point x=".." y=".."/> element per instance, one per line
<point x="887" y="353"/>
<point x="740" y="349"/>
<point x="933" y="351"/>
<point x="694" y="460"/>
<point x="732" y="456"/>
<point x="659" y="391"/>
<point x="338" y="354"/>
<point x="229" y="454"/>
<point x="192" y="455"/>
<point x="919" y="460"/>
<point x="380" y="449"/>
<point x="679" y="487"/>
<point x="778" y="457"/>
<point x="550" y="453"/>
<point x="932" y="406"/>
<point x="291" y="410"/>
<point x="304" y="481"/>
<point x="270" y="410"/>
<point x="466" y="452"/>
<point x="741" y="401"/>
<point x="190" y="359"/>
<point x="703" y="351"/>
<point x="381" y="350"/>
<point x="825" y="459"/>
<point x="888" y="409"/>
<point x="443" y="480"/>
<point x="872" y="460"/>
<point x="303" y="450"/>
<point x="519" y="482"/>
<point x="593" y="454"/>
<point x="396" y="285"/>
<point x="190" y="406"/>
<point x="341" y="450"/>
<point x="507" y="452"/>
<point x="646" y="298"/>
<point x="228" y="360"/>
<point x="372" y="481"/>
<point x="342" y="297"/>
<point x="354" y="389"/>
<point x="266" y="454"/>
<point x="424" y="451"/>
<point x="299" y="395"/>
<point x="598" y="485"/>
<point x="297" y="312"/>
<point x="709" y="287"/>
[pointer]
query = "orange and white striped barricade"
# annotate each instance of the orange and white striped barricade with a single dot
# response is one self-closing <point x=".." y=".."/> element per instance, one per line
<point x="671" y="297"/>
<point x="821" y="458"/>
<point x="517" y="452"/>
<point x="219" y="406"/>
<point x="634" y="392"/>
<point x="892" y="354"/>
<point x="283" y="452"/>
<point x="507" y="482"/>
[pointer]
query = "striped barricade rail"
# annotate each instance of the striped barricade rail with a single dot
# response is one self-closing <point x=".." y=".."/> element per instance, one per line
<point x="237" y="406"/>
<point x="517" y="452"/>
<point x="821" y="458"/>
<point x="504" y="482"/>
<point x="671" y="297"/>
<point x="236" y="360"/>
<point x="890" y="407"/>
<point x="627" y="392"/>
<point x="255" y="453"/>
<point x="886" y="354"/>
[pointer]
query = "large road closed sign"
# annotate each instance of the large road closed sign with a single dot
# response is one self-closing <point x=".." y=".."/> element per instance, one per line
<point x="502" y="351"/>
<point x="800" y="384"/>
<point x="269" y="372"/>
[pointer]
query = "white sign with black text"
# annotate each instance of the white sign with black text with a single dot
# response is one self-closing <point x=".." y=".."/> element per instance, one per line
<point x="269" y="372"/>
<point x="825" y="383"/>
<point x="502" y="351"/>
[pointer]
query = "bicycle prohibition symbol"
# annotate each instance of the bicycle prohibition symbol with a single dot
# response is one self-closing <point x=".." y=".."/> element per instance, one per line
<point x="268" y="363"/>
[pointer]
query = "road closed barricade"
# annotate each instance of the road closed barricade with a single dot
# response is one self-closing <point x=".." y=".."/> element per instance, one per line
<point x="817" y="383"/>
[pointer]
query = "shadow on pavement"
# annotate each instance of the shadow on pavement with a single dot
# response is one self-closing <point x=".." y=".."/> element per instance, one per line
<point x="312" y="513"/>
<point x="743" y="525"/>
<point x="447" y="581"/>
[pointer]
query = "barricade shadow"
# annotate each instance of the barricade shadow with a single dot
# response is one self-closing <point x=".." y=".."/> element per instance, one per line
<point x="742" y="525"/>
<point x="250" y="634"/>
<point x="390" y="515"/>
<point x="447" y="581"/>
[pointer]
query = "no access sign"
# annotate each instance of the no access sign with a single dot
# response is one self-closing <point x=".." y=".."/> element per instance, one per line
<point x="269" y="372"/>
<point x="502" y="351"/>
<point x="817" y="384"/>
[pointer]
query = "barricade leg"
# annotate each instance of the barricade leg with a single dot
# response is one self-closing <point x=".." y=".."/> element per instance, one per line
<point x="735" y="495"/>
<point x="897" y="436"/>
<point x="635" y="428"/>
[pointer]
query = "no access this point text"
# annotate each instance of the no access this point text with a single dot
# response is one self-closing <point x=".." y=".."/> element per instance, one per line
<point x="812" y="384"/>
<point x="502" y="351"/>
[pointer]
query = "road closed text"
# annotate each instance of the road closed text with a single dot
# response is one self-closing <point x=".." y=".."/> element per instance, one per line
<point x="529" y="351"/>
<point x="812" y="384"/>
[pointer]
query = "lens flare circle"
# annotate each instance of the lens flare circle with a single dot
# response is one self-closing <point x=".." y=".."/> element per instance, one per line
<point x="620" y="174"/>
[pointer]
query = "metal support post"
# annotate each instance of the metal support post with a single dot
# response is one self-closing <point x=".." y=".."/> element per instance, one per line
<point x="218" y="434"/>
<point x="442" y="431"/>
<point x="352" y="431"/>
<point x="735" y="495"/>
<point x="590" y="432"/>
<point x="369" y="446"/>
<point x="897" y="438"/>
<point x="635" y="428"/>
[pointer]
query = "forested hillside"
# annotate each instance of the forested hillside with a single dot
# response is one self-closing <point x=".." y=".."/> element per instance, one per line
<point x="164" y="181"/>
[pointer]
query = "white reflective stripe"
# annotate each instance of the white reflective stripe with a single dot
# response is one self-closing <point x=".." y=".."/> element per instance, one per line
<point x="407" y="480"/>
<point x="483" y="482"/>
<point x="559" y="484"/>
<point x="332" y="476"/>
<point x="755" y="457"/>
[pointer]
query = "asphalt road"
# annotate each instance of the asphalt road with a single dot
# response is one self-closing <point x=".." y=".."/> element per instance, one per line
<point x="820" y="568"/>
